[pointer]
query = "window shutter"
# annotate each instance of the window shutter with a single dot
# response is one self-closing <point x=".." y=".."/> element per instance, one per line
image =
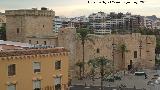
<point x="12" y="87"/>
<point x="37" y="65"/>
<point x="36" y="84"/>
<point x="57" y="80"/>
<point x="13" y="69"/>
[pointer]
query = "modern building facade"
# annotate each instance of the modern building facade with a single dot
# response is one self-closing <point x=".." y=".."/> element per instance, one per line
<point x="98" y="23"/>
<point x="148" y="23"/>
<point x="103" y="23"/>
<point x="57" y="23"/>
<point x="60" y="22"/>
<point x="156" y="24"/>
<point x="77" y="22"/>
<point x="80" y="22"/>
<point x="34" y="69"/>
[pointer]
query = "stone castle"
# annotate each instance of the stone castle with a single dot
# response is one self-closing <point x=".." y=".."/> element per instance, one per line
<point x="30" y="25"/>
<point x="35" y="27"/>
<point x="140" y="49"/>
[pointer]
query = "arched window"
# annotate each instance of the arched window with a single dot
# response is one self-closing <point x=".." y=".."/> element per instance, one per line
<point x="135" y="54"/>
<point x="37" y="42"/>
<point x="29" y="41"/>
<point x="17" y="30"/>
<point x="45" y="42"/>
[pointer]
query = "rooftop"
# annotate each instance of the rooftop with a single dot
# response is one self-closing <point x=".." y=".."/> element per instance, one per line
<point x="14" y="43"/>
<point x="32" y="51"/>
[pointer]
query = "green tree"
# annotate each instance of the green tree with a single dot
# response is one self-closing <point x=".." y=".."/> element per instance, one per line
<point x="2" y="33"/>
<point x="93" y="65"/>
<point x="123" y="50"/>
<point x="83" y="35"/>
<point x="100" y="63"/>
<point x="80" y="65"/>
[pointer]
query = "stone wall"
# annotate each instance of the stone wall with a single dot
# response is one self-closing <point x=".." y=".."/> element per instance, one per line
<point x="21" y="24"/>
<point x="144" y="45"/>
<point x="67" y="39"/>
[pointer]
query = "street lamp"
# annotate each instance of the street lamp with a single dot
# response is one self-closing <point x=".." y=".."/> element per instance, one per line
<point x="140" y="50"/>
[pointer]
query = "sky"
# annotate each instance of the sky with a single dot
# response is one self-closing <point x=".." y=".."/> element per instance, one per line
<point x="72" y="8"/>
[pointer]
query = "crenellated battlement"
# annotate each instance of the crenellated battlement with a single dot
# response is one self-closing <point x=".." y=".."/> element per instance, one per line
<point x="30" y="12"/>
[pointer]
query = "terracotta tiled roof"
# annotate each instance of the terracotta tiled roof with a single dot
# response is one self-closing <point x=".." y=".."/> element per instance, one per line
<point x="31" y="52"/>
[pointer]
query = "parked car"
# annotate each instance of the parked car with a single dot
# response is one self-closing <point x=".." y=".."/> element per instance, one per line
<point x="140" y="73"/>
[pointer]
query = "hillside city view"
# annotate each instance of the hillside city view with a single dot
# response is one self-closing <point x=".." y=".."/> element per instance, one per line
<point x="79" y="45"/>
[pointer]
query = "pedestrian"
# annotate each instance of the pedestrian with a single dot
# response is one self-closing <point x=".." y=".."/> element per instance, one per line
<point x="145" y="76"/>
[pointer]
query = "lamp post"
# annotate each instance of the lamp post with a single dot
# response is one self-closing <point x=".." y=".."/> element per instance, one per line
<point x="102" y="73"/>
<point x="140" y="50"/>
<point x="113" y="53"/>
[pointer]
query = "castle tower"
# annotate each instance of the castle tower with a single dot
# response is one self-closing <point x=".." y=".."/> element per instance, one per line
<point x="29" y="23"/>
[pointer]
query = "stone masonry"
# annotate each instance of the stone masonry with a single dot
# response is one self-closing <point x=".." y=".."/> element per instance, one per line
<point x="140" y="48"/>
<point x="35" y="27"/>
<point x="29" y="23"/>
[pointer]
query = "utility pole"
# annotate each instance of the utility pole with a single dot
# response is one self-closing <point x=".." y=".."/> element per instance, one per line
<point x="102" y="74"/>
<point x="113" y="49"/>
<point x="140" y="50"/>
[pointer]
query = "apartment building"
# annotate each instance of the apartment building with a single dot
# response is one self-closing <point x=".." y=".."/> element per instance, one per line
<point x="97" y="23"/>
<point x="34" y="69"/>
<point x="100" y="22"/>
<point x="148" y="23"/>
<point x="57" y="23"/>
<point x="60" y="22"/>
<point x="80" y="22"/>
<point x="156" y="24"/>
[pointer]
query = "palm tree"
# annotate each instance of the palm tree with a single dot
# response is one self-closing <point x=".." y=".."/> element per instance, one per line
<point x="83" y="35"/>
<point x="123" y="49"/>
<point x="100" y="63"/>
<point x="80" y="65"/>
<point x="2" y="33"/>
<point x="92" y="63"/>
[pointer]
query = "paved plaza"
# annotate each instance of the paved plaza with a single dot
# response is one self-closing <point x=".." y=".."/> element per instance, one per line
<point x="129" y="80"/>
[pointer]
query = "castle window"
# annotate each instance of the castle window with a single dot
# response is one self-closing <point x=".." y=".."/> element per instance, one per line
<point x="37" y="42"/>
<point x="36" y="67"/>
<point x="11" y="69"/>
<point x="98" y="50"/>
<point x="29" y="41"/>
<point x="135" y="54"/>
<point x="43" y="26"/>
<point x="45" y="42"/>
<point x="17" y="30"/>
<point x="58" y="65"/>
<point x="11" y="87"/>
